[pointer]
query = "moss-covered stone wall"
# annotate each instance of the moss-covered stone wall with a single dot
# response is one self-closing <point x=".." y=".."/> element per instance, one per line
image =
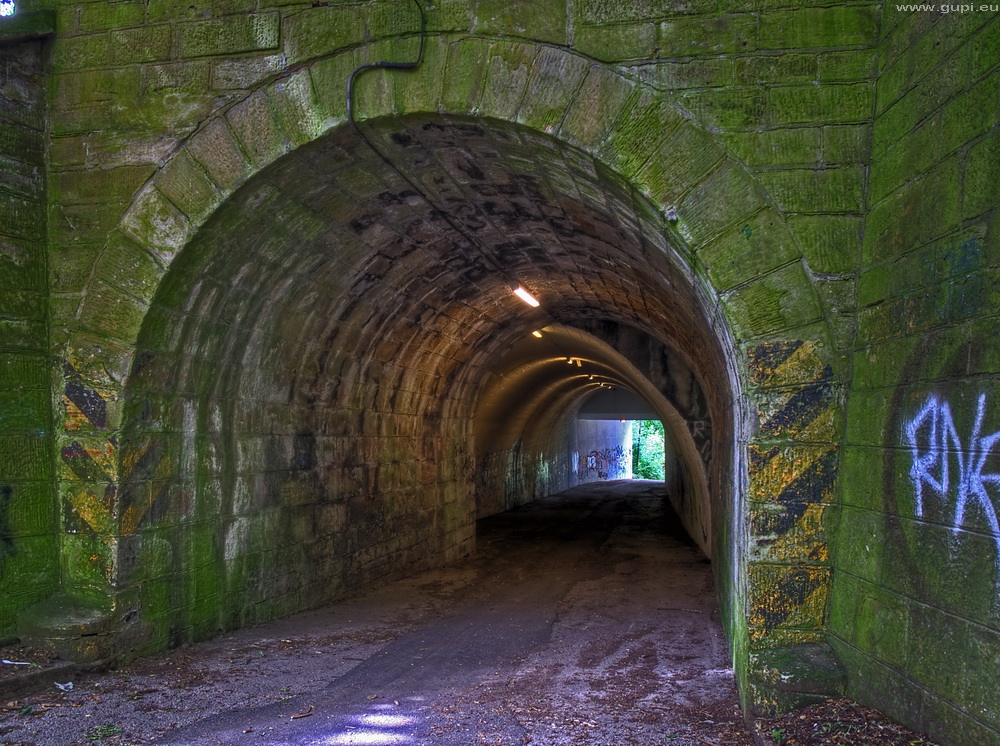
<point x="28" y="545"/>
<point x="916" y="603"/>
<point x="269" y="346"/>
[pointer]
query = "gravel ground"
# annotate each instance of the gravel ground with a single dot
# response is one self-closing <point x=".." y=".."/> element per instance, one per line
<point x="583" y="619"/>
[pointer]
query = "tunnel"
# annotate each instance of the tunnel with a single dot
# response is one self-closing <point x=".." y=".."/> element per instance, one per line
<point x="261" y="349"/>
<point x="335" y="378"/>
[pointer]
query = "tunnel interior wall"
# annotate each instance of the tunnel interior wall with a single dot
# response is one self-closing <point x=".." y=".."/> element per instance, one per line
<point x="289" y="438"/>
<point x="916" y="603"/>
<point x="28" y="540"/>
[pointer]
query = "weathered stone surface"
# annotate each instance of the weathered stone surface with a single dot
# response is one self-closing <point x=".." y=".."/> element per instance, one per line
<point x="271" y="336"/>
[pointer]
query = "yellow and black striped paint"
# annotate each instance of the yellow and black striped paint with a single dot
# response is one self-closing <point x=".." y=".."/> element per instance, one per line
<point x="793" y="464"/>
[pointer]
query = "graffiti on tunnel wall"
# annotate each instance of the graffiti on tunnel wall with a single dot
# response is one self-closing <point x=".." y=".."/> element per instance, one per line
<point x="606" y="463"/>
<point x="950" y="469"/>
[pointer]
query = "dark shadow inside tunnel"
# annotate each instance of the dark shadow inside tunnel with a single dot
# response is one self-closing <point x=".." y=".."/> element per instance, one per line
<point x="333" y="381"/>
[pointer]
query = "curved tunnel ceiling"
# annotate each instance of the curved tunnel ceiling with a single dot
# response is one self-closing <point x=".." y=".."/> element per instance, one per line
<point x="329" y="267"/>
<point x="564" y="362"/>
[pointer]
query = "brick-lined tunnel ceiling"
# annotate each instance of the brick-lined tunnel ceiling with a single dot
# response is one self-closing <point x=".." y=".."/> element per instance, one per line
<point x="329" y="267"/>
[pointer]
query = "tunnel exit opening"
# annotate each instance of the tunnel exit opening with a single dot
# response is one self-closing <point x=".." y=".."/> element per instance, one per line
<point x="648" y="455"/>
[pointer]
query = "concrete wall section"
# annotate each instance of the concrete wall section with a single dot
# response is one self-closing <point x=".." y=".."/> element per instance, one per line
<point x="604" y="450"/>
<point x="916" y="610"/>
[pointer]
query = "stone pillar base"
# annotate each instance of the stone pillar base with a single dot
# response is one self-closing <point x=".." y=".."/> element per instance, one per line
<point x="78" y="629"/>
<point x="792" y="676"/>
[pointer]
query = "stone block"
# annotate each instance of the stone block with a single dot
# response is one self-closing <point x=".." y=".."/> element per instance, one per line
<point x="100" y="185"/>
<point x="982" y="164"/>
<point x="781" y="300"/>
<point x="685" y="157"/>
<point x="896" y="224"/>
<point x="93" y="17"/>
<point x="142" y="44"/>
<point x="375" y="89"/>
<point x="830" y="243"/>
<point x="982" y="679"/>
<point x="616" y="43"/>
<point x="23" y="410"/>
<point x="782" y="68"/>
<point x="726" y="196"/>
<point x="725" y="108"/>
<point x="23" y="143"/>
<point x="818" y="28"/>
<point x="320" y="31"/>
<point x="798" y="146"/>
<point x="113" y="313"/>
<point x="748" y="251"/>
<point x="450" y="15"/>
<point x="17" y="177"/>
<point x="700" y="36"/>
<point x="795" y="675"/>
<point x="693" y="73"/>
<point x="816" y="190"/>
<point x="465" y="74"/>
<point x="420" y="89"/>
<point x="969" y="115"/>
<point x="597" y="106"/>
<point x="156" y="223"/>
<point x="847" y="144"/>
<point x="296" y="107"/>
<point x="544" y="20"/>
<point x="25" y="457"/>
<point x="256" y="129"/>
<point x="21" y="218"/>
<point x="986" y="49"/>
<point x="788" y="597"/>
<point x="937" y="648"/>
<point x="22" y="264"/>
<point x="508" y="68"/>
<point x="831" y="104"/>
<point x="847" y="67"/>
<point x="129" y="267"/>
<point x="859" y="547"/>
<point x="640" y="135"/>
<point x="245" y="72"/>
<point x="251" y="32"/>
<point x="606" y="12"/>
<point x="92" y="50"/>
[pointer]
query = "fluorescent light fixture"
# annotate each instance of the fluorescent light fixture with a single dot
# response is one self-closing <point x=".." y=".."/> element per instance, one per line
<point x="527" y="297"/>
<point x="536" y="333"/>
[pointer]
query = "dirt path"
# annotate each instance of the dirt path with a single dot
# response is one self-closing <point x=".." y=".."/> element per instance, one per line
<point x="585" y="618"/>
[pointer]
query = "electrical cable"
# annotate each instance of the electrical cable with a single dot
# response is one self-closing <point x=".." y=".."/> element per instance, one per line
<point x="384" y="65"/>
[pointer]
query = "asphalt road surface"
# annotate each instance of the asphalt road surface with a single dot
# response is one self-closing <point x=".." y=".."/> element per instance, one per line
<point x="584" y="618"/>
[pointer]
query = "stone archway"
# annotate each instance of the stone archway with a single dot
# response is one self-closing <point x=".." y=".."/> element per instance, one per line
<point x="688" y="201"/>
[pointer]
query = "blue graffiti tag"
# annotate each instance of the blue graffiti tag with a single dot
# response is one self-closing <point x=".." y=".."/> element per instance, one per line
<point x="934" y="441"/>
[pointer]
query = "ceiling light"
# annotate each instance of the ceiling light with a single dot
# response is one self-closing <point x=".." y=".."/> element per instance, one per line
<point x="536" y="333"/>
<point x="527" y="297"/>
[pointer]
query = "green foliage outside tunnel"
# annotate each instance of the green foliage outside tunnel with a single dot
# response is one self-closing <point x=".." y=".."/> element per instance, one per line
<point x="647" y="449"/>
